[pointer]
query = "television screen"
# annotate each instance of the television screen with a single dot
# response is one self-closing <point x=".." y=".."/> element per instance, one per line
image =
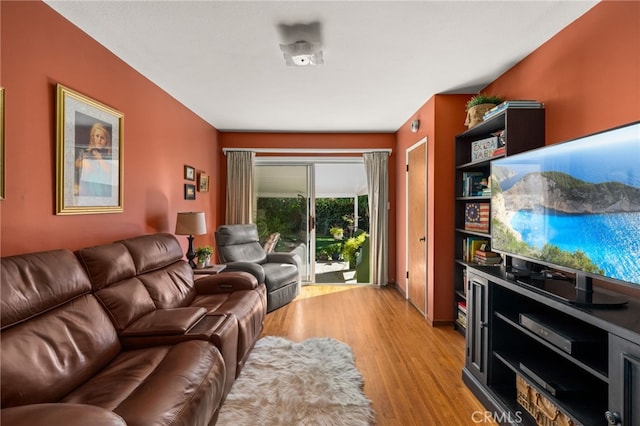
<point x="574" y="205"/>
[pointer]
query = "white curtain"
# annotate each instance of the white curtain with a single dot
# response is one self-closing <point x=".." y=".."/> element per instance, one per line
<point x="376" y="165"/>
<point x="239" y="187"/>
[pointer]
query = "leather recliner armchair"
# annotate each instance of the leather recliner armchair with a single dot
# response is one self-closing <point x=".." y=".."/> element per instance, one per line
<point x="239" y="248"/>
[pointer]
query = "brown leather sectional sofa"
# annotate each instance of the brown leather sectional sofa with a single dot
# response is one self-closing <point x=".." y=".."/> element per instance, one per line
<point x="121" y="334"/>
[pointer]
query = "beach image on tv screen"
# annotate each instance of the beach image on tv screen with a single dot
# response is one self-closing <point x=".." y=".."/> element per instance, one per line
<point x="574" y="204"/>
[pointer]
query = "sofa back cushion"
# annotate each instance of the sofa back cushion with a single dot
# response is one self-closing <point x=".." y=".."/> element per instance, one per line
<point x="55" y="334"/>
<point x="239" y="243"/>
<point x="160" y="267"/>
<point x="113" y="278"/>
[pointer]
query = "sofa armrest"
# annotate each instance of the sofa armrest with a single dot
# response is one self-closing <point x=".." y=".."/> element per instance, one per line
<point x="59" y="414"/>
<point x="226" y="282"/>
<point x="165" y="322"/>
<point x="284" y="257"/>
<point x="254" y="269"/>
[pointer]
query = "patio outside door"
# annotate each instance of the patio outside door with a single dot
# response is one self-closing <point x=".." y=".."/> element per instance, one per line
<point x="283" y="201"/>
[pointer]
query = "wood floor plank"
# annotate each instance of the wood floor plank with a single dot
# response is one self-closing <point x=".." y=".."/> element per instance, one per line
<point x="412" y="371"/>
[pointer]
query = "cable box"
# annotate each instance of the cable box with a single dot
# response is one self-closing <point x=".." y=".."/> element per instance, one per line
<point x="568" y="336"/>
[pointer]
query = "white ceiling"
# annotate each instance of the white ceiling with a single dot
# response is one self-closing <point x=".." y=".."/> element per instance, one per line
<point x="382" y="59"/>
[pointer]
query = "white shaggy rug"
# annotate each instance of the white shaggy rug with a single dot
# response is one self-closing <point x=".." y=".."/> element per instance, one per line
<point x="314" y="382"/>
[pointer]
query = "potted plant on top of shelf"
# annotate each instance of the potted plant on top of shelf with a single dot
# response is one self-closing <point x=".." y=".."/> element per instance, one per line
<point x="477" y="106"/>
<point x="204" y="256"/>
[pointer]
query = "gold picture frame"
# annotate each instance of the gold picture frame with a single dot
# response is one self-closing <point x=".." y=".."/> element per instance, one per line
<point x="2" y="143"/>
<point x="89" y="157"/>
<point x="203" y="182"/>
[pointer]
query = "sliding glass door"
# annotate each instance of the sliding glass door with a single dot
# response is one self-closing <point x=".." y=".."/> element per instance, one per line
<point x="283" y="203"/>
<point x="305" y="200"/>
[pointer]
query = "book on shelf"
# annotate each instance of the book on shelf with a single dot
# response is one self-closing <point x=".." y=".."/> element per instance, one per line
<point x="473" y="183"/>
<point x="518" y="103"/>
<point x="487" y="260"/>
<point x="462" y="313"/>
<point x="470" y="245"/>
<point x="486" y="253"/>
<point x="476" y="217"/>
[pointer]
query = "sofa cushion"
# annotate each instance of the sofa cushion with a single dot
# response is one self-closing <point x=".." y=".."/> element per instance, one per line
<point x="107" y="264"/>
<point x="112" y="274"/>
<point x="37" y="282"/>
<point x="51" y="324"/>
<point x="239" y="243"/>
<point x="171" y="286"/>
<point x="167" y="385"/>
<point x="154" y="251"/>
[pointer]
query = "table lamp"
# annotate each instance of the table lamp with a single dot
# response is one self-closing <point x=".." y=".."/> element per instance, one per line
<point x="191" y="223"/>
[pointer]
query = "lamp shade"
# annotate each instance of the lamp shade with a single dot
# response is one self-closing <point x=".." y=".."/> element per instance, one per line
<point x="191" y="223"/>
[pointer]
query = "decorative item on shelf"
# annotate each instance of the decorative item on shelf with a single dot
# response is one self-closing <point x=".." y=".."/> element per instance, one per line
<point x="191" y="223"/>
<point x="204" y="254"/>
<point x="545" y="411"/>
<point x="477" y="106"/>
<point x="476" y="217"/>
<point x="484" y="148"/>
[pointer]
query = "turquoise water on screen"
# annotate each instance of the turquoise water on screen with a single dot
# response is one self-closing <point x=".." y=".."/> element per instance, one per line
<point x="611" y="241"/>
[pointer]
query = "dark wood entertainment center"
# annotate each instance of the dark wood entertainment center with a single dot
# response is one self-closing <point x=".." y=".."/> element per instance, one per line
<point x="586" y="361"/>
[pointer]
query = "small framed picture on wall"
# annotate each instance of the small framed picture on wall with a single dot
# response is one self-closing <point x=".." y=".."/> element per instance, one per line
<point x="189" y="191"/>
<point x="203" y="182"/>
<point x="189" y="173"/>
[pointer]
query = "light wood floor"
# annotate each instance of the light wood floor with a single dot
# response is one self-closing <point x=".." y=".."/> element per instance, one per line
<point x="412" y="371"/>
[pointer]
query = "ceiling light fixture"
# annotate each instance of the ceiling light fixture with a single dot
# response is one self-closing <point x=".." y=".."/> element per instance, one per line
<point x="302" y="53"/>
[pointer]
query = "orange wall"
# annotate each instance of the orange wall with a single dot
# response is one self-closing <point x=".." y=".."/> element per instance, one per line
<point x="441" y="118"/>
<point x="588" y="75"/>
<point x="322" y="141"/>
<point x="40" y="49"/>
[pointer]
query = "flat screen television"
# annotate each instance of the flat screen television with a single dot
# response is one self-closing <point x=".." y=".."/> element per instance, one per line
<point x="572" y="207"/>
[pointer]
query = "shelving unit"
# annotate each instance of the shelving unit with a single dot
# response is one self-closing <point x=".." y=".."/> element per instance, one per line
<point x="523" y="129"/>
<point x="586" y="362"/>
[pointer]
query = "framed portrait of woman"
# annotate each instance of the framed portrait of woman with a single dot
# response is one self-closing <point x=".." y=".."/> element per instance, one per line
<point x="89" y="157"/>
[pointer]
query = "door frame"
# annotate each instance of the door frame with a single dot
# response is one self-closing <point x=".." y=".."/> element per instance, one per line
<point x="420" y="142"/>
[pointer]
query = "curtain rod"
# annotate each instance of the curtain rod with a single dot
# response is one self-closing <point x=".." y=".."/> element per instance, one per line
<point x="308" y="150"/>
